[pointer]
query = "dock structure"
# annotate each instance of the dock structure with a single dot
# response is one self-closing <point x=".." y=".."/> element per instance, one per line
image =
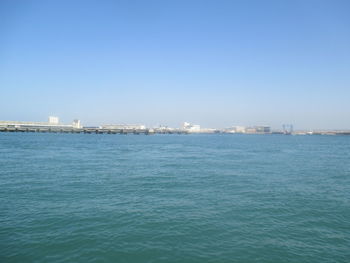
<point x="145" y="131"/>
<point x="55" y="127"/>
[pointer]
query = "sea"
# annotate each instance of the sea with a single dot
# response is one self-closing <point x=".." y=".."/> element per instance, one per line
<point x="174" y="198"/>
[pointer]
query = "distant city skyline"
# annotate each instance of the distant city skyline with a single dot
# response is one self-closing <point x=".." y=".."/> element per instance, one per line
<point x="213" y="63"/>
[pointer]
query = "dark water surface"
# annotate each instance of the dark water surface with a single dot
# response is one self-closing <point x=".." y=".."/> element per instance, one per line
<point x="174" y="198"/>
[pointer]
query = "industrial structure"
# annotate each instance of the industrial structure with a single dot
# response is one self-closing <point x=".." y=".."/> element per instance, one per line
<point x="52" y="124"/>
<point x="123" y="126"/>
<point x="287" y="128"/>
<point x="249" y="130"/>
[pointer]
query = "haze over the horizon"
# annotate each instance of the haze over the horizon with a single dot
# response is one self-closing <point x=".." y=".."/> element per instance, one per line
<point x="215" y="63"/>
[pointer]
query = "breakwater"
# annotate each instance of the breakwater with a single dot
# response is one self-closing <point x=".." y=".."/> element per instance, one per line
<point x="150" y="131"/>
<point x="95" y="130"/>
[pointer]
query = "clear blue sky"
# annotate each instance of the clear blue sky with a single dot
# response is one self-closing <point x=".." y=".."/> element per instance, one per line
<point x="215" y="63"/>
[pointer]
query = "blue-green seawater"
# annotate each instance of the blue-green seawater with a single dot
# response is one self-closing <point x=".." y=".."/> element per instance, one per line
<point x="174" y="198"/>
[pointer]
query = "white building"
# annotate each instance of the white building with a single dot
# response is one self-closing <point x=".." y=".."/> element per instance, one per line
<point x="53" y="120"/>
<point x="123" y="127"/>
<point x="53" y="123"/>
<point x="240" y="129"/>
<point x="76" y="124"/>
<point x="186" y="125"/>
<point x="192" y="128"/>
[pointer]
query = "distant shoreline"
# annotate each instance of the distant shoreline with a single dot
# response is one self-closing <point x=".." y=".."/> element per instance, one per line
<point x="148" y="131"/>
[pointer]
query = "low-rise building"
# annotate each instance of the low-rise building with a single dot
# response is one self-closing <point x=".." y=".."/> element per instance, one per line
<point x="235" y="129"/>
<point x="258" y="130"/>
<point x="53" y="123"/>
<point x="192" y="128"/>
<point x="123" y="127"/>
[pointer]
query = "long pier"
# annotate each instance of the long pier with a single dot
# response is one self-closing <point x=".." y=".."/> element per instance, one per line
<point x="145" y="131"/>
<point x="92" y="130"/>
